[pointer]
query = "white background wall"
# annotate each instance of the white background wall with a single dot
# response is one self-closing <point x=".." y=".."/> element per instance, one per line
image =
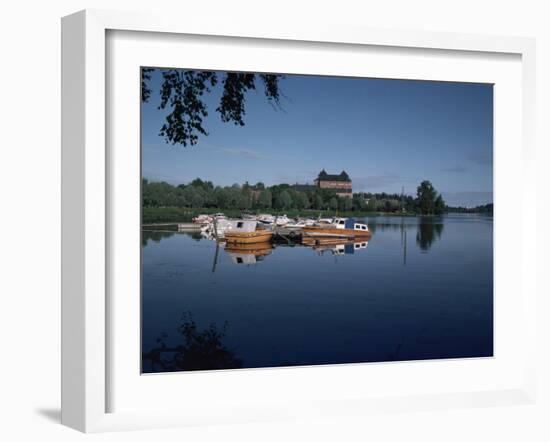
<point x="30" y="220"/>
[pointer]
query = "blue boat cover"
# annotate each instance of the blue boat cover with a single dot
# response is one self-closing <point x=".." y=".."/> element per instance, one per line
<point x="349" y="223"/>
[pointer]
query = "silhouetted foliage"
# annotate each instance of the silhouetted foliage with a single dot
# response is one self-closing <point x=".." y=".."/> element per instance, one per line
<point x="145" y="90"/>
<point x="199" y="349"/>
<point x="182" y="94"/>
<point x="428" y="200"/>
<point x="439" y="205"/>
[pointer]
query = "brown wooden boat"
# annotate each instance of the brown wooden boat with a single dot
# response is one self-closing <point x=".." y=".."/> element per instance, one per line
<point x="258" y="236"/>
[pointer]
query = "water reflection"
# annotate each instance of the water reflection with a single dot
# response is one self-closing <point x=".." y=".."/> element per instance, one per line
<point x="198" y="350"/>
<point x="248" y="253"/>
<point x="335" y="247"/>
<point x="154" y="236"/>
<point x="428" y="231"/>
<point x="401" y="296"/>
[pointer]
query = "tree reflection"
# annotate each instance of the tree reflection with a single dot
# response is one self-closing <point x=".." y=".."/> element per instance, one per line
<point x="154" y="235"/>
<point x="199" y="350"/>
<point x="428" y="231"/>
<point x="158" y="235"/>
<point x="391" y="227"/>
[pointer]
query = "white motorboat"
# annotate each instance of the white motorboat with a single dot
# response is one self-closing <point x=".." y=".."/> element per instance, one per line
<point x="220" y="226"/>
<point x="339" y="228"/>
<point x="282" y="220"/>
<point x="265" y="218"/>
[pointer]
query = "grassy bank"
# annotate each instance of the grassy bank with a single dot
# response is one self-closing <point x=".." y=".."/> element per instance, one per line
<point x="177" y="214"/>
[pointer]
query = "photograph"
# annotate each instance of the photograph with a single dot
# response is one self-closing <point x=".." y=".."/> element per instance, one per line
<point x="302" y="220"/>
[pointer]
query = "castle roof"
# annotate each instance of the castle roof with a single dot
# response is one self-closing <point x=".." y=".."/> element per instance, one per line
<point x="324" y="176"/>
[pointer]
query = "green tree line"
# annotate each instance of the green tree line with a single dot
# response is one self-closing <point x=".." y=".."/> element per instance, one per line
<point x="486" y="209"/>
<point x="204" y="194"/>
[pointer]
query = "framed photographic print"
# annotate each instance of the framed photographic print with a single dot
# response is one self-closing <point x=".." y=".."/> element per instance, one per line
<point x="274" y="270"/>
<point x="291" y="222"/>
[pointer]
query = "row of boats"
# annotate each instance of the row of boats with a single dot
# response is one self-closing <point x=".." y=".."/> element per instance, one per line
<point x="254" y="229"/>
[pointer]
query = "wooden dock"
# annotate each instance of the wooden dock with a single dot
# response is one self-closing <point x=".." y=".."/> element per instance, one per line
<point x="179" y="227"/>
<point x="189" y="227"/>
<point x="287" y="235"/>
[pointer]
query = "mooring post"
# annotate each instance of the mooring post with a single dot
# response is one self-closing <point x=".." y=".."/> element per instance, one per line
<point x="215" y="221"/>
<point x="275" y="230"/>
<point x="216" y="257"/>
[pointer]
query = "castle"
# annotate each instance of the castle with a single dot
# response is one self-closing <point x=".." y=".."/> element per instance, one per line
<point x="341" y="183"/>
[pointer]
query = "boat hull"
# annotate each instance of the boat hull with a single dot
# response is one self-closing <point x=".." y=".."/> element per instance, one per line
<point x="329" y="232"/>
<point x="248" y="237"/>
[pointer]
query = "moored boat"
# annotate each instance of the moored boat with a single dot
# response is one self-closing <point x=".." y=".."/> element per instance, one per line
<point x="279" y="220"/>
<point x="339" y="228"/>
<point x="289" y="230"/>
<point x="246" y="232"/>
<point x="282" y="220"/>
<point x="202" y="219"/>
<point x="257" y="236"/>
<point x="219" y="226"/>
<point x="205" y="219"/>
<point x="266" y="218"/>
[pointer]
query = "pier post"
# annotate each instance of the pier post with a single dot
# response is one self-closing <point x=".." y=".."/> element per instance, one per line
<point x="215" y="221"/>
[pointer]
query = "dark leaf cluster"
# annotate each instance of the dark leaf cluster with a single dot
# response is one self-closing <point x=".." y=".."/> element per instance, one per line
<point x="198" y="349"/>
<point x="182" y="94"/>
<point x="145" y="89"/>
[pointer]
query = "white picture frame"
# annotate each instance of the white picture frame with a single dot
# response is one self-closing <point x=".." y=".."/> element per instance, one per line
<point x="85" y="215"/>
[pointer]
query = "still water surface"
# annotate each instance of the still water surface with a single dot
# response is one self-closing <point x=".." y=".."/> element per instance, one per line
<point x="421" y="288"/>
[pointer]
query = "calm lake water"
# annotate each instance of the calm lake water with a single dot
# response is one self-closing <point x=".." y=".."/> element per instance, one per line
<point x="421" y="288"/>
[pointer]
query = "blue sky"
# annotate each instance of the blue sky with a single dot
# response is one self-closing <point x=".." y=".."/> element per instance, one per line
<point x="385" y="133"/>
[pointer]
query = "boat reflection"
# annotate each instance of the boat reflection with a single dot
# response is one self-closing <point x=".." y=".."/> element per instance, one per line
<point x="248" y="253"/>
<point x="335" y="246"/>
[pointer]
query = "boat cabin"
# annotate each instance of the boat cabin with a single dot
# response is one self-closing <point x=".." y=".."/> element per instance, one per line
<point x="241" y="226"/>
<point x="349" y="223"/>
